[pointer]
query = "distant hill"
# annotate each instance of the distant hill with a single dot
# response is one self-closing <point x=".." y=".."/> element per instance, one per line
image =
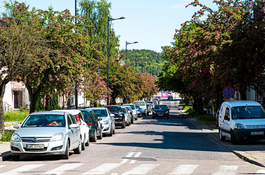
<point x="144" y="60"/>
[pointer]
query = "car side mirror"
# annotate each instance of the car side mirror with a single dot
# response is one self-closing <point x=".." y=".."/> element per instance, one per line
<point x="74" y="125"/>
<point x="17" y="125"/>
<point x="226" y="117"/>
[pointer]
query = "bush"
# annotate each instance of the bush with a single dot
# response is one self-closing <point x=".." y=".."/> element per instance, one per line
<point x="15" y="116"/>
<point x="207" y="119"/>
<point x="7" y="136"/>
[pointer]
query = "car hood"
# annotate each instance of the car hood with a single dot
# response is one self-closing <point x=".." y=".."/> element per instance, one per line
<point x="250" y="121"/>
<point x="104" y="119"/>
<point x="39" y="131"/>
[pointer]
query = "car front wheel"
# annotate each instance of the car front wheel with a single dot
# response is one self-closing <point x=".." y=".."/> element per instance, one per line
<point x="221" y="137"/>
<point x="66" y="153"/>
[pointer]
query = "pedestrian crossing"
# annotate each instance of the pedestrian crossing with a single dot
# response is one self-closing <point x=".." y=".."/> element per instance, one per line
<point x="110" y="168"/>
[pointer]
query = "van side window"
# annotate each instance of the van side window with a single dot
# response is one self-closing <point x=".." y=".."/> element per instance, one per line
<point x="227" y="113"/>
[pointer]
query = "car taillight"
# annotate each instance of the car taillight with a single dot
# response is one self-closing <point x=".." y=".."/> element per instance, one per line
<point x="120" y="113"/>
<point x="78" y="119"/>
<point x="90" y="124"/>
<point x="145" y="109"/>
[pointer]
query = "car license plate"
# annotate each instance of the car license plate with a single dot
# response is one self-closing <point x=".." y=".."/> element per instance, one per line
<point x="35" y="146"/>
<point x="160" y="115"/>
<point x="257" y="133"/>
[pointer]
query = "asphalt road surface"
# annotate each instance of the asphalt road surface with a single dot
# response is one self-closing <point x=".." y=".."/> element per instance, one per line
<point x="159" y="146"/>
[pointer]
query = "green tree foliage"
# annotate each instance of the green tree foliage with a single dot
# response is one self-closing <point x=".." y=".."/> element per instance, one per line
<point x="18" y="40"/>
<point x="144" y="60"/>
<point x="227" y="48"/>
<point x="39" y="104"/>
<point x="52" y="103"/>
<point x="67" y="50"/>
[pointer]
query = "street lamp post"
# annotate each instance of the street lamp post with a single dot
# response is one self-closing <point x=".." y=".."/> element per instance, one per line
<point x="76" y="90"/>
<point x="109" y="19"/>
<point x="127" y="43"/>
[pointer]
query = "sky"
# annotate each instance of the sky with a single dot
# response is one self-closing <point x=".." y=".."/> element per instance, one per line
<point x="151" y="23"/>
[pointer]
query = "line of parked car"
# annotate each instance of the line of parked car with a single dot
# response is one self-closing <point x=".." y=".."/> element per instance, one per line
<point x="58" y="132"/>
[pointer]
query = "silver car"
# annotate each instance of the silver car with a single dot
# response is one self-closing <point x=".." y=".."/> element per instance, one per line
<point x="106" y="119"/>
<point x="46" y="133"/>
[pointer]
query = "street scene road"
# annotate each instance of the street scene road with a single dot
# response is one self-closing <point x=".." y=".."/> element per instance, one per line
<point x="149" y="146"/>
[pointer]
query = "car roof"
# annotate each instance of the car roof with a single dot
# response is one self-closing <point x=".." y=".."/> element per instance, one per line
<point x="128" y="104"/>
<point x="101" y="108"/>
<point x="72" y="111"/>
<point x="242" y="103"/>
<point x="48" y="112"/>
<point x="112" y="105"/>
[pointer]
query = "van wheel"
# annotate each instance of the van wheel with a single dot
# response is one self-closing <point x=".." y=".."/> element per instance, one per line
<point x="233" y="138"/>
<point x="221" y="137"/>
<point x="83" y="145"/>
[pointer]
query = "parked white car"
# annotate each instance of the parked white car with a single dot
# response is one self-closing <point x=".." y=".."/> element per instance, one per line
<point x="46" y="133"/>
<point x="143" y="106"/>
<point x="127" y="115"/>
<point x="133" y="107"/>
<point x="106" y="119"/>
<point x="241" y="120"/>
<point x="83" y="126"/>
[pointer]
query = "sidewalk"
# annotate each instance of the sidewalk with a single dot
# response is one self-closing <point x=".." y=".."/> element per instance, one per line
<point x="5" y="153"/>
<point x="252" y="152"/>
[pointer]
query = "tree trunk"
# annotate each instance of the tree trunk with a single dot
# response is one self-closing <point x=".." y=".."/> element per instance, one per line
<point x="33" y="98"/>
<point x="195" y="105"/>
<point x="2" y="120"/>
<point x="219" y="99"/>
<point x="200" y="106"/>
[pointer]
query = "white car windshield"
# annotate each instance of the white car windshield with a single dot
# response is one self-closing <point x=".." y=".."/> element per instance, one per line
<point x="44" y="121"/>
<point x="139" y="103"/>
<point x="100" y="112"/>
<point x="248" y="112"/>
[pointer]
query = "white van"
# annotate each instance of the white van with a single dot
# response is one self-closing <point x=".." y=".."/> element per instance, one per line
<point x="241" y="120"/>
<point x="143" y="107"/>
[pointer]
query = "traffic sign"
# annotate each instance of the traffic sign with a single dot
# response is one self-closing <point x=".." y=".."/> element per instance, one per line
<point x="228" y="92"/>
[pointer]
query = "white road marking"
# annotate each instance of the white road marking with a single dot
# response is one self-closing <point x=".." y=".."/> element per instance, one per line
<point x="22" y="169"/>
<point x="1" y="166"/>
<point x="138" y="154"/>
<point x="132" y="161"/>
<point x="141" y="169"/>
<point x="124" y="161"/>
<point x="130" y="154"/>
<point x="114" y="174"/>
<point x="260" y="172"/>
<point x="104" y="168"/>
<point x="226" y="170"/>
<point x="63" y="168"/>
<point x="184" y="169"/>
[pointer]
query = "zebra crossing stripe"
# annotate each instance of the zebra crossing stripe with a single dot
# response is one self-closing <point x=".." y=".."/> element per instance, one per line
<point x="22" y="169"/>
<point x="124" y="161"/>
<point x="226" y="170"/>
<point x="132" y="161"/>
<point x="1" y="166"/>
<point x="130" y="154"/>
<point x="184" y="169"/>
<point x="104" y="168"/>
<point x="138" y="154"/>
<point x="63" y="168"/>
<point x="260" y="172"/>
<point x="141" y="169"/>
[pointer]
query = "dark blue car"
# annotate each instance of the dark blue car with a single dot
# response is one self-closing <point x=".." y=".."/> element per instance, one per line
<point x="139" y="111"/>
<point x="160" y="111"/>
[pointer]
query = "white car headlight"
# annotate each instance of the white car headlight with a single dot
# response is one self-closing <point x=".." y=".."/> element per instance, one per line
<point x="239" y="126"/>
<point x="15" y="138"/>
<point x="57" y="137"/>
<point x="106" y="122"/>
